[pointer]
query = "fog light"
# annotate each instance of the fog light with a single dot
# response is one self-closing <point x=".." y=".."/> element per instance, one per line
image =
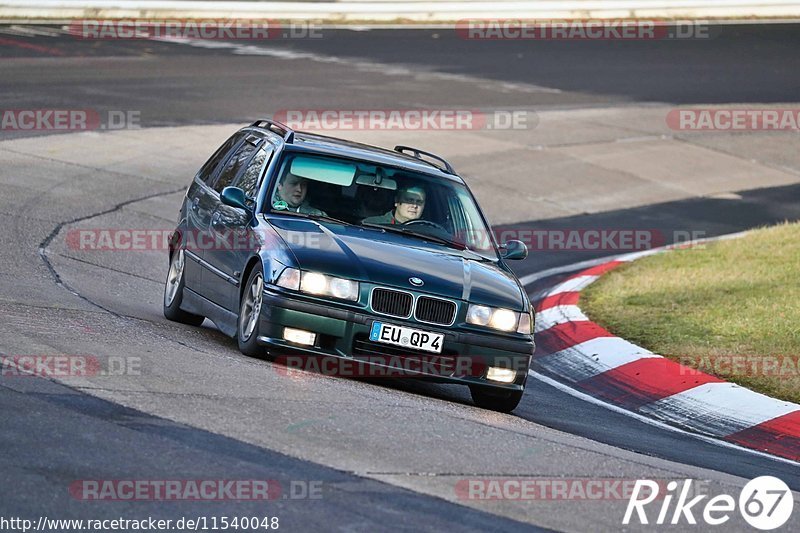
<point x="299" y="336"/>
<point x="504" y="375"/>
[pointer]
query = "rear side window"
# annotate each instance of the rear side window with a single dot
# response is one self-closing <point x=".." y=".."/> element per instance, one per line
<point x="233" y="165"/>
<point x="207" y="174"/>
<point x="248" y="181"/>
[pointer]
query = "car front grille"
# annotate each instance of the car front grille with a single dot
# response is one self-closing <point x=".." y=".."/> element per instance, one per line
<point x="435" y="311"/>
<point x="392" y="303"/>
<point x="400" y="304"/>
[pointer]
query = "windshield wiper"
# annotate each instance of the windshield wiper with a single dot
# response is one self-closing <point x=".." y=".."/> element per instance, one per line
<point x="425" y="236"/>
<point x="331" y="219"/>
<point x="311" y="216"/>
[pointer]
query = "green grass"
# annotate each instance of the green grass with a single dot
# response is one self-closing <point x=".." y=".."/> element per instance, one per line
<point x="731" y="308"/>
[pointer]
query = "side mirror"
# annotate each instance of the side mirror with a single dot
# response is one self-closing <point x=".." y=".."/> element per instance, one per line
<point x="514" y="250"/>
<point x="235" y="197"/>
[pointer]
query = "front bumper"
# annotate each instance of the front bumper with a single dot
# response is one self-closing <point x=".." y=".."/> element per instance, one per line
<point x="344" y="334"/>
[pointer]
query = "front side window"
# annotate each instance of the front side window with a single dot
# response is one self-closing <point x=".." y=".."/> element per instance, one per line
<point x="381" y="197"/>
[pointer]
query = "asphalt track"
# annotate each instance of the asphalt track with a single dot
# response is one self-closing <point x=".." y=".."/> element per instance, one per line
<point x="203" y="422"/>
<point x="742" y="64"/>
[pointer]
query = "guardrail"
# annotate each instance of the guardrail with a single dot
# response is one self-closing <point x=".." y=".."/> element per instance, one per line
<point x="397" y="11"/>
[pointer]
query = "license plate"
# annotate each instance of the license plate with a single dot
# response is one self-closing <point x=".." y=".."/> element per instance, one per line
<point x="406" y="337"/>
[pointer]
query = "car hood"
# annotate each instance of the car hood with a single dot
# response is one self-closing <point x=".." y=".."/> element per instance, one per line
<point x="390" y="259"/>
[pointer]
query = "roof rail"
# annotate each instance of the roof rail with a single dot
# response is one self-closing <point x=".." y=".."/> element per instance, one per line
<point x="273" y="125"/>
<point x="417" y="153"/>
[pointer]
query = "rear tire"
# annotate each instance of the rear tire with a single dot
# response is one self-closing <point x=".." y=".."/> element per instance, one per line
<point x="247" y="327"/>
<point x="173" y="292"/>
<point x="502" y="401"/>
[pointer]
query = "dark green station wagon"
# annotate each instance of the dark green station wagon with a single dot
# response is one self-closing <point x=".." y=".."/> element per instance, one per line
<point x="361" y="260"/>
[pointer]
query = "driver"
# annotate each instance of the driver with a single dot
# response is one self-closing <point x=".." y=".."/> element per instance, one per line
<point x="408" y="205"/>
<point x="291" y="196"/>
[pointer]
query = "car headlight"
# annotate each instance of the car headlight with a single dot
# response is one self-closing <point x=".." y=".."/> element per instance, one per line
<point x="495" y="318"/>
<point x="318" y="284"/>
<point x="345" y="289"/>
<point x="314" y="283"/>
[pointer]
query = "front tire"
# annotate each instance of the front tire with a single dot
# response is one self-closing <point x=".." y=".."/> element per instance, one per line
<point x="173" y="292"/>
<point x="247" y="327"/>
<point x="502" y="401"/>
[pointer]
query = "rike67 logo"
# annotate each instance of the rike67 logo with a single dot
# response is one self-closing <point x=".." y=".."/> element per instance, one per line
<point x="765" y="503"/>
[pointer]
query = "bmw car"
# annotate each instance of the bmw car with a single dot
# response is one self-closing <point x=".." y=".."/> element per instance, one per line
<point x="306" y="246"/>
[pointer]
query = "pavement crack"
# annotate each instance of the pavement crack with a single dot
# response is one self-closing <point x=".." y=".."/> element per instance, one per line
<point x="53" y="234"/>
<point x="43" y="254"/>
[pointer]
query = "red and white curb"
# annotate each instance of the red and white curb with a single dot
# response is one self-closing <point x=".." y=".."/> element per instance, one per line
<point x="573" y="349"/>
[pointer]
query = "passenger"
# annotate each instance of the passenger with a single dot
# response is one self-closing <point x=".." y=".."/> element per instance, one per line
<point x="372" y="201"/>
<point x="409" y="205"/>
<point x="291" y="196"/>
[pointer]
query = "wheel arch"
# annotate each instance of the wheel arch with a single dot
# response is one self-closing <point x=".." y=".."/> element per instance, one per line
<point x="251" y="264"/>
<point x="173" y="243"/>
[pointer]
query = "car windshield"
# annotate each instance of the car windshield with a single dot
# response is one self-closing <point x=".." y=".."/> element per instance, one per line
<point x="381" y="198"/>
